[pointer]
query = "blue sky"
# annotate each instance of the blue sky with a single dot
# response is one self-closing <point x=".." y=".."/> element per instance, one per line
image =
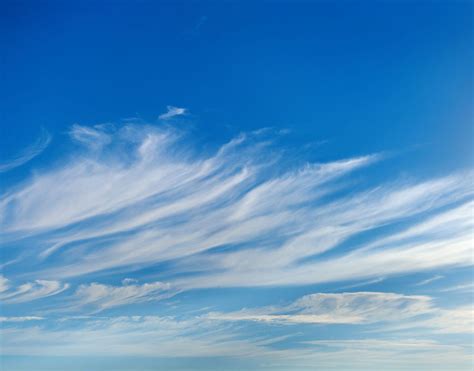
<point x="236" y="185"/>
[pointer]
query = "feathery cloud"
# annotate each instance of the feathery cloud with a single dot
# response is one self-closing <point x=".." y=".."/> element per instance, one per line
<point x="102" y="296"/>
<point x="29" y="291"/>
<point x="344" y="308"/>
<point x="161" y="200"/>
<point x="152" y="336"/>
<point x="93" y="137"/>
<point x="172" y="111"/>
<point x="28" y="153"/>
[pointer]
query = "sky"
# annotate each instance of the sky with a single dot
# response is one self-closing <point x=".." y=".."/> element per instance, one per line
<point x="236" y="185"/>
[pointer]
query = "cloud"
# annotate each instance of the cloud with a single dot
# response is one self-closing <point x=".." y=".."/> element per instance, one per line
<point x="4" y="283"/>
<point x="457" y="320"/>
<point x="155" y="336"/>
<point x="416" y="249"/>
<point x="389" y="354"/>
<point x="29" y="291"/>
<point x="240" y="216"/>
<point x="465" y="287"/>
<point x="172" y="112"/>
<point x="378" y="344"/>
<point x="94" y="138"/>
<point x="344" y="308"/>
<point x="405" y="312"/>
<point x="429" y="280"/>
<point x="145" y="199"/>
<point x="20" y="319"/>
<point x="128" y="281"/>
<point x="151" y="336"/>
<point x="103" y="297"/>
<point x="451" y="321"/>
<point x="28" y="153"/>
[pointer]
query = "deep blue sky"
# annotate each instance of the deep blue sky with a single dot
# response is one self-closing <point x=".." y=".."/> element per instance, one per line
<point x="348" y="239"/>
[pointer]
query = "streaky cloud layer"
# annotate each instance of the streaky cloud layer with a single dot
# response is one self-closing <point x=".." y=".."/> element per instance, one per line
<point x="145" y="196"/>
<point x="138" y="216"/>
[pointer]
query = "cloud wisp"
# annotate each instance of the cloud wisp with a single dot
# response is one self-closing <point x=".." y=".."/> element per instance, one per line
<point x="344" y="308"/>
<point x="28" y="153"/>
<point x="100" y="297"/>
<point x="173" y="111"/>
<point x="390" y="312"/>
<point x="21" y="319"/>
<point x="430" y="280"/>
<point x="29" y="291"/>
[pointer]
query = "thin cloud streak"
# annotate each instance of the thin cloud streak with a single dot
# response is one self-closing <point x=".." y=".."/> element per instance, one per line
<point x="344" y="308"/>
<point x="28" y="153"/>
<point x="21" y="319"/>
<point x="100" y="297"/>
<point x="29" y="291"/>
<point x="429" y="280"/>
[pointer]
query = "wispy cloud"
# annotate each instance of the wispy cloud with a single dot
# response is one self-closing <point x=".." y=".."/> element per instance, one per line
<point x="28" y="153"/>
<point x="20" y="319"/>
<point x="93" y="137"/>
<point x="100" y="296"/>
<point x="344" y="308"/>
<point x="152" y="336"/>
<point x="162" y="200"/>
<point x="155" y="336"/>
<point x="450" y="321"/>
<point x="457" y="320"/>
<point x="429" y="280"/>
<point x="405" y="312"/>
<point x="394" y="255"/>
<point x="465" y="287"/>
<point x="407" y="353"/>
<point x="172" y="111"/>
<point x="28" y="291"/>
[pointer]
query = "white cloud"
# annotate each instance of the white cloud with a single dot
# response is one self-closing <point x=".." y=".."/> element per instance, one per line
<point x="151" y="336"/>
<point x="159" y="200"/>
<point x="379" y="344"/>
<point x="393" y="312"/>
<point x="465" y="287"/>
<point x="458" y="320"/>
<point x="172" y="112"/>
<point x="102" y="296"/>
<point x="429" y="280"/>
<point x="154" y="336"/>
<point x="387" y="256"/>
<point x="29" y="291"/>
<point x="20" y="319"/>
<point x="28" y="153"/>
<point x="389" y="354"/>
<point x="449" y="321"/>
<point x="94" y="138"/>
<point x="344" y="308"/>
<point x="140" y="195"/>
<point x="4" y="283"/>
<point x="128" y="281"/>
